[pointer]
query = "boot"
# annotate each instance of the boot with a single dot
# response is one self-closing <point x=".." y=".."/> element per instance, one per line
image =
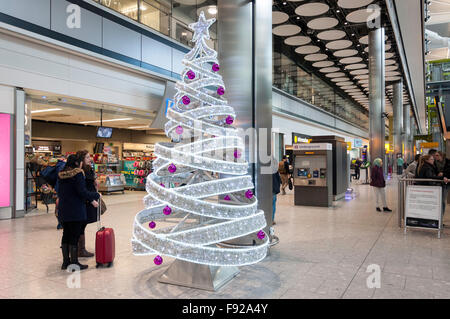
<point x="82" y="252"/>
<point x="74" y="257"/>
<point x="66" y="258"/>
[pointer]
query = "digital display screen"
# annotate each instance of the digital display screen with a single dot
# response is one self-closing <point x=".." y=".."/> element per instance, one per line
<point x="104" y="132"/>
<point x="302" y="172"/>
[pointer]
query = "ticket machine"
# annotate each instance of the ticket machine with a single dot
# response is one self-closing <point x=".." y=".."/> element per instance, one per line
<point x="313" y="174"/>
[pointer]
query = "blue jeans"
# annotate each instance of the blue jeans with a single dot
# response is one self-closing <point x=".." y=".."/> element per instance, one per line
<point x="274" y="206"/>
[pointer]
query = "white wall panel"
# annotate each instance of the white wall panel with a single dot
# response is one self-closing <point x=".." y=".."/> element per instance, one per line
<point x="121" y="40"/>
<point x="312" y="121"/>
<point x="6" y="99"/>
<point x="35" y="66"/>
<point x="156" y="53"/>
<point x="177" y="66"/>
<point x="90" y="27"/>
<point x="34" y="11"/>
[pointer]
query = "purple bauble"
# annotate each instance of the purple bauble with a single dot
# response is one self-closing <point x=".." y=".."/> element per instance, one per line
<point x="186" y="100"/>
<point x="167" y="210"/>
<point x="215" y="67"/>
<point x="172" y="168"/>
<point x="227" y="197"/>
<point x="249" y="194"/>
<point x="237" y="154"/>
<point x="179" y="130"/>
<point x="261" y="234"/>
<point x="220" y="90"/>
<point x="191" y="75"/>
<point x="152" y="225"/>
<point x="162" y="185"/>
<point x="229" y="120"/>
<point x="158" y="260"/>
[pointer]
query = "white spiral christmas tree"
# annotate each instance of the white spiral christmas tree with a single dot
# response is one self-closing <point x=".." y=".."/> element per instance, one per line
<point x="213" y="201"/>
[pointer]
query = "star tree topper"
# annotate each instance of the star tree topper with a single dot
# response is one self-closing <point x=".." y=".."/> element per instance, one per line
<point x="201" y="27"/>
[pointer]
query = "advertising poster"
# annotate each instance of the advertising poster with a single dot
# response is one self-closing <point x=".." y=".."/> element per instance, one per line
<point x="5" y="160"/>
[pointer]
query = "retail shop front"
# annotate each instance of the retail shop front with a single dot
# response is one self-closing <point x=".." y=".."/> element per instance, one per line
<point x="118" y="139"/>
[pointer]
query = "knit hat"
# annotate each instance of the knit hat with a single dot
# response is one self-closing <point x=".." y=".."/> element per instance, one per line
<point x="377" y="162"/>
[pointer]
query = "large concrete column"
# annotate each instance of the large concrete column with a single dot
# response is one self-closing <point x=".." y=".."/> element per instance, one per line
<point x="245" y="55"/>
<point x="407" y="132"/>
<point x="398" y="118"/>
<point x="411" y="136"/>
<point x="376" y="94"/>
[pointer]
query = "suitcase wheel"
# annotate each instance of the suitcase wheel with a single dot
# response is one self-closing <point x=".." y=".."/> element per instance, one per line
<point x="98" y="265"/>
<point x="109" y="264"/>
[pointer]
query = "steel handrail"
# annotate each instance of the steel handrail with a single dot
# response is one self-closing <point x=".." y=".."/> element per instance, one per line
<point x="421" y="180"/>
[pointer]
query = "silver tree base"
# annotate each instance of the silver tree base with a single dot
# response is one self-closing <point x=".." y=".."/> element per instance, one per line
<point x="187" y="274"/>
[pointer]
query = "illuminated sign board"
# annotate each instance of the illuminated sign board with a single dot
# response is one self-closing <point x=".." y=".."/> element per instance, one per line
<point x="5" y="160"/>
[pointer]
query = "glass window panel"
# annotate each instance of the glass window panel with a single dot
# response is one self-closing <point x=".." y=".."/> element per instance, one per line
<point x="155" y="15"/>
<point x="125" y="7"/>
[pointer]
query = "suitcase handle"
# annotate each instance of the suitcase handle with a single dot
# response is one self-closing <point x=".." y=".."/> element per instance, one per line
<point x="99" y="223"/>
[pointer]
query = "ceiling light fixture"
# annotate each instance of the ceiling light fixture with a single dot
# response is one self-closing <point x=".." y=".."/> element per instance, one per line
<point x="46" y="110"/>
<point x="144" y="126"/>
<point x="113" y="120"/>
<point x="212" y="10"/>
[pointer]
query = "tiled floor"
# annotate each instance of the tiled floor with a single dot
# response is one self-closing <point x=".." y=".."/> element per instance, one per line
<point x="323" y="253"/>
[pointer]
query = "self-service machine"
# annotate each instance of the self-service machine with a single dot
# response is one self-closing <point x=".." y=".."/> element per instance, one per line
<point x="313" y="174"/>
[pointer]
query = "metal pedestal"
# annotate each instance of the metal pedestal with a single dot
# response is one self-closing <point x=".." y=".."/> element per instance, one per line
<point x="212" y="278"/>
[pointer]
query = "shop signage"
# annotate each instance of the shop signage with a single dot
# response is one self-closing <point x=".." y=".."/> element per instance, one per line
<point x="138" y="147"/>
<point x="357" y="142"/>
<point x="300" y="138"/>
<point x="27" y="126"/>
<point x="313" y="147"/>
<point x="5" y="160"/>
<point x="349" y="146"/>
<point x="429" y="145"/>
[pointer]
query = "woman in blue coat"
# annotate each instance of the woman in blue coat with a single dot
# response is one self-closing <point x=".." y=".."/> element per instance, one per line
<point x="91" y="211"/>
<point x="72" y="194"/>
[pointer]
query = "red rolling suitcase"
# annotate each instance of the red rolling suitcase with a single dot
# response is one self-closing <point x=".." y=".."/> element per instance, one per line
<point x="105" y="246"/>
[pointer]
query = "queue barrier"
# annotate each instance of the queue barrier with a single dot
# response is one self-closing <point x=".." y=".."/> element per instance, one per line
<point x="424" y="200"/>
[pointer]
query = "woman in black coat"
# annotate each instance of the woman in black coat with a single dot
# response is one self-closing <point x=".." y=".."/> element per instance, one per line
<point x="426" y="169"/>
<point x="91" y="211"/>
<point x="72" y="194"/>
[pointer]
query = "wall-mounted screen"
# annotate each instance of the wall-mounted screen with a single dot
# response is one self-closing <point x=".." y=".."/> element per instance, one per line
<point x="104" y="132"/>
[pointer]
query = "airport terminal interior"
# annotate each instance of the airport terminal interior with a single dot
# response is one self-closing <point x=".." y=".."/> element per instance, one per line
<point x="269" y="150"/>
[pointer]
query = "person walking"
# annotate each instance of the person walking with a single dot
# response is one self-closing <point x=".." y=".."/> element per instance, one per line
<point x="400" y="163"/>
<point x="283" y="169"/>
<point x="410" y="171"/>
<point x="58" y="167"/>
<point x="378" y="183"/>
<point x="358" y="164"/>
<point x="276" y="182"/>
<point x="91" y="211"/>
<point x="440" y="161"/>
<point x="72" y="194"/>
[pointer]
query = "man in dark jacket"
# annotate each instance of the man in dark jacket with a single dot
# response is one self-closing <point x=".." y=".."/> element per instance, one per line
<point x="58" y="167"/>
<point x="276" y="182"/>
<point x="73" y="195"/>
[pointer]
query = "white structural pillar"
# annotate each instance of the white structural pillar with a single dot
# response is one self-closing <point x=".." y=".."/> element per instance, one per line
<point x="376" y="94"/>
<point x="245" y="55"/>
<point x="407" y="133"/>
<point x="398" y="118"/>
